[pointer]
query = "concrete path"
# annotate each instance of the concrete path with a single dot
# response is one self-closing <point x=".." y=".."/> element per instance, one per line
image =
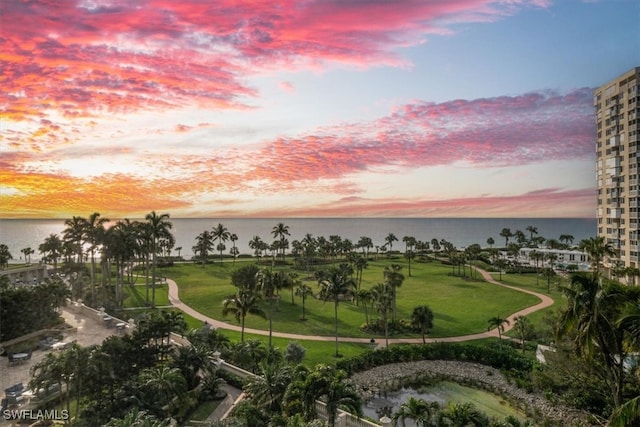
<point x="545" y="302"/>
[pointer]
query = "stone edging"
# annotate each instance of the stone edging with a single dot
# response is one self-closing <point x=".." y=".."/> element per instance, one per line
<point x="374" y="380"/>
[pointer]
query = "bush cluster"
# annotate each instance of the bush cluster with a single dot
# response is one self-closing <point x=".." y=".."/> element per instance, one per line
<point x="498" y="356"/>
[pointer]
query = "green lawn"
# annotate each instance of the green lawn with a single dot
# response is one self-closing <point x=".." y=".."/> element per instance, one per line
<point x="135" y="296"/>
<point x="461" y="306"/>
<point x="529" y="282"/>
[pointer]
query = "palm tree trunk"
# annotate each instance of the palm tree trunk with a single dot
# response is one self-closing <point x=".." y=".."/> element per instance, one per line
<point x="336" y="322"/>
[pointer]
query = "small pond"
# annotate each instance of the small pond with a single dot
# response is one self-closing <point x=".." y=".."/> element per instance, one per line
<point x="443" y="392"/>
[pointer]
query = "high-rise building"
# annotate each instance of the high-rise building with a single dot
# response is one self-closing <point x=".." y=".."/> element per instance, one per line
<point x="617" y="107"/>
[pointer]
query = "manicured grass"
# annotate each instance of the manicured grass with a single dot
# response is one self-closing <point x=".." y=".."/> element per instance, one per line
<point x="135" y="296"/>
<point x="461" y="306"/>
<point x="529" y="282"/>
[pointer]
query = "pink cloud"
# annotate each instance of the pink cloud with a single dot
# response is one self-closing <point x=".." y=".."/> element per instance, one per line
<point x="502" y="131"/>
<point x="83" y="58"/>
<point x="547" y="202"/>
<point x="287" y="86"/>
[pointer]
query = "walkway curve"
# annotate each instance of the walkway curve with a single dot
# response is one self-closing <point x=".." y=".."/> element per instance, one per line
<point x="545" y="302"/>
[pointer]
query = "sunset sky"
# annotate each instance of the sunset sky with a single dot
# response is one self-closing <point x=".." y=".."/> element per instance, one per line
<point x="305" y="108"/>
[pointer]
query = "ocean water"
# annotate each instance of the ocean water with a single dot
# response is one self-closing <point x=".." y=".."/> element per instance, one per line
<point x="22" y="233"/>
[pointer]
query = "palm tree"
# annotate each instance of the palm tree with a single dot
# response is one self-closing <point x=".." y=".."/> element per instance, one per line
<point x="598" y="249"/>
<point x="204" y="243"/>
<point x="280" y="231"/>
<point x="51" y="248"/>
<point x="328" y="384"/>
<point x="364" y="297"/>
<point x="365" y="244"/>
<point x="138" y="418"/>
<point x="491" y="242"/>
<point x="506" y="233"/>
<point x="520" y="237"/>
<point x="267" y="389"/>
<point x="394" y="277"/>
<point x="159" y="227"/>
<point x="160" y="384"/>
<point x="382" y="297"/>
<point x="360" y="263"/>
<point x="590" y="316"/>
<point x="234" y="250"/>
<point x="27" y="254"/>
<point x="220" y="234"/>
<point x="498" y="322"/>
<point x="463" y="415"/>
<point x="567" y="239"/>
<point x="303" y="291"/>
<point x="94" y="232"/>
<point x="532" y="230"/>
<point x="335" y="285"/>
<point x="5" y="256"/>
<point x="390" y="239"/>
<point x="409" y="254"/>
<point x="419" y="410"/>
<point x="244" y="302"/>
<point x="422" y="318"/>
<point x="522" y="326"/>
<point x="257" y="245"/>
<point x="74" y="234"/>
<point x="267" y="283"/>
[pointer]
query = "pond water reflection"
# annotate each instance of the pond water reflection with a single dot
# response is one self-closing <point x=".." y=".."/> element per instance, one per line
<point x="443" y="392"/>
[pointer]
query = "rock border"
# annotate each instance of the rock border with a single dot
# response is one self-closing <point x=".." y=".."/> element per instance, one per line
<point x="370" y="383"/>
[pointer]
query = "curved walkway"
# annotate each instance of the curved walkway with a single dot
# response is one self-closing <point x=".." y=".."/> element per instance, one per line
<point x="545" y="302"/>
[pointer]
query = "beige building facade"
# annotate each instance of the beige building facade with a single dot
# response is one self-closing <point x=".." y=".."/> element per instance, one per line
<point x="617" y="113"/>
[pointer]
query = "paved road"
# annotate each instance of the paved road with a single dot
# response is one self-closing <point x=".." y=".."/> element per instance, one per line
<point x="545" y="301"/>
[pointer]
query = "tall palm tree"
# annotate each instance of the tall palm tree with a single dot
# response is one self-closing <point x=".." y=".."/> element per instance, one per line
<point x="364" y="297"/>
<point x="234" y="250"/>
<point x="390" y="239"/>
<point x="360" y="263"/>
<point x="74" y="234"/>
<point x="410" y="243"/>
<point x="280" y="231"/>
<point x="303" y="291"/>
<point x="161" y="384"/>
<point x="267" y="284"/>
<point x="244" y="302"/>
<point x="159" y="227"/>
<point x="27" y="254"/>
<point x="326" y="383"/>
<point x="498" y="323"/>
<point x="507" y="234"/>
<point x="5" y="256"/>
<point x="598" y="249"/>
<point x="590" y="316"/>
<point x="256" y="244"/>
<point x="51" y="248"/>
<point x="422" y="318"/>
<point x="220" y="234"/>
<point x="567" y="239"/>
<point x="382" y="297"/>
<point x="94" y="231"/>
<point x="522" y="325"/>
<point x="267" y="389"/>
<point x="365" y="244"/>
<point x="394" y="277"/>
<point x="532" y="230"/>
<point x="204" y="243"/>
<point x="336" y="284"/>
